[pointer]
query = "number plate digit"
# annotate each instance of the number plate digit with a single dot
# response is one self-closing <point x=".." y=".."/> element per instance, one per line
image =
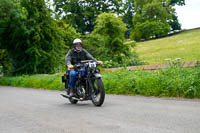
<point x="92" y="65"/>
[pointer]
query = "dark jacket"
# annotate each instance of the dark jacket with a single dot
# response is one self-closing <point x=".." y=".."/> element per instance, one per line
<point x="74" y="57"/>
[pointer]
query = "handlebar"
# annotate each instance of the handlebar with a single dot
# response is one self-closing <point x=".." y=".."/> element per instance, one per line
<point x="84" y="63"/>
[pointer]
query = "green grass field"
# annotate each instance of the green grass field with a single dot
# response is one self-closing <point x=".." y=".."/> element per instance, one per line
<point x="185" y="45"/>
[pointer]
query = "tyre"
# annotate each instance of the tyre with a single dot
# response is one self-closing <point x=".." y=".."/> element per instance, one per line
<point x="73" y="101"/>
<point x="98" y="94"/>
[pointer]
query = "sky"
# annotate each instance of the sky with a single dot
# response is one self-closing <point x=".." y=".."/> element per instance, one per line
<point x="189" y="15"/>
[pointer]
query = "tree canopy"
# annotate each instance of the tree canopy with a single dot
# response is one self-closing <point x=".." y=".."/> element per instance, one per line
<point x="31" y="37"/>
<point x="177" y="2"/>
<point x="108" y="39"/>
<point x="152" y="19"/>
<point x="81" y="14"/>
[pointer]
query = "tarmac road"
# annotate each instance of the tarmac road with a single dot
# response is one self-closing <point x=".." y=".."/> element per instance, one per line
<point x="26" y="110"/>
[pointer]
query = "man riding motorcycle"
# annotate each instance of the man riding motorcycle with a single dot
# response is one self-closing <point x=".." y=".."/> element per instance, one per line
<point x="73" y="57"/>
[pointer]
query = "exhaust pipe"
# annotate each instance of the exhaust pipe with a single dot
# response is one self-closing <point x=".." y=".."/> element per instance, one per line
<point x="65" y="96"/>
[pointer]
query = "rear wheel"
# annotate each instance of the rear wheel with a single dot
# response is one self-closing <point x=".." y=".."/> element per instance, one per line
<point x="98" y="93"/>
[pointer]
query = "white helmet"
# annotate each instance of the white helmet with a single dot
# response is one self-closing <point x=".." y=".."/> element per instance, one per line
<point x="77" y="41"/>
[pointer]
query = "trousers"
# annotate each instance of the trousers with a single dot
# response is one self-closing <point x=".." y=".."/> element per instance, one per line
<point x="73" y="74"/>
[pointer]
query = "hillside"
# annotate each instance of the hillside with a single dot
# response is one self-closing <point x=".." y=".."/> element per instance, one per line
<point x="185" y="45"/>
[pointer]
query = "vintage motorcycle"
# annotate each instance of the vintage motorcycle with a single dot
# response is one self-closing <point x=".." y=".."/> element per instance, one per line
<point x="88" y="86"/>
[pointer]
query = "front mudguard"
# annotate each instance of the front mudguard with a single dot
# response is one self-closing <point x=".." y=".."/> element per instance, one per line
<point x="97" y="75"/>
<point x="91" y="81"/>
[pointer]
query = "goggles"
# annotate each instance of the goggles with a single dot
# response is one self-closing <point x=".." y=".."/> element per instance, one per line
<point x="75" y="44"/>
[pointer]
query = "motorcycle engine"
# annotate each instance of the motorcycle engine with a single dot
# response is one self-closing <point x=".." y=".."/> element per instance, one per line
<point x="81" y="91"/>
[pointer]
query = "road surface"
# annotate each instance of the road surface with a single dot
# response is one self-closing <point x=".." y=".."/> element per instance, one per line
<point x="26" y="110"/>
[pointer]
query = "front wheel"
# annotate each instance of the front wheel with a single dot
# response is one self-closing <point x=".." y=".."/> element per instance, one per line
<point x="98" y="92"/>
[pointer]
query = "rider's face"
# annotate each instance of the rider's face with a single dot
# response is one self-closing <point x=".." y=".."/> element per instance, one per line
<point x="78" y="47"/>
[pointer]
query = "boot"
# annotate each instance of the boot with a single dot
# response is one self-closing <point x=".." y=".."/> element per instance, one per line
<point x="71" y="94"/>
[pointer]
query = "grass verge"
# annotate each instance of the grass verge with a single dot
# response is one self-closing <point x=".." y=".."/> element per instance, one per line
<point x="172" y="82"/>
<point x="51" y="82"/>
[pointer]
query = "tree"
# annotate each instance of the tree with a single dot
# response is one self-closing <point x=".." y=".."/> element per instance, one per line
<point x="4" y="62"/>
<point x="174" y="23"/>
<point x="82" y="14"/>
<point x="12" y="26"/>
<point x="108" y="37"/>
<point x="69" y="33"/>
<point x="151" y="19"/>
<point x="31" y="37"/>
<point x="177" y="2"/>
<point x="127" y="14"/>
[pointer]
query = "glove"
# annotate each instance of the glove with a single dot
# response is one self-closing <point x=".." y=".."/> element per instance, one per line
<point x="70" y="66"/>
<point x="100" y="62"/>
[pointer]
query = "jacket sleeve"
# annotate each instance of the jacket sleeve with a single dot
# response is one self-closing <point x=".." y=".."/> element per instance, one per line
<point x="89" y="56"/>
<point x="68" y="58"/>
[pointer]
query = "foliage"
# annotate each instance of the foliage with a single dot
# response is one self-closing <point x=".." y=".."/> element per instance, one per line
<point x="172" y="82"/>
<point x="150" y="29"/>
<point x="184" y="45"/>
<point x="12" y="16"/>
<point x="128" y="11"/>
<point x="111" y="29"/>
<point x="151" y="19"/>
<point x="32" y="41"/>
<point x="95" y="44"/>
<point x="69" y="33"/>
<point x="177" y="2"/>
<point x="4" y="60"/>
<point x="174" y="23"/>
<point x="106" y="42"/>
<point x="82" y="14"/>
<point x="31" y="37"/>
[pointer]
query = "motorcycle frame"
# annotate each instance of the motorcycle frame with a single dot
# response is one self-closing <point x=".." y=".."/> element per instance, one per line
<point x="91" y="74"/>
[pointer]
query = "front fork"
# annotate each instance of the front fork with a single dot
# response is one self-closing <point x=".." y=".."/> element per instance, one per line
<point x="91" y="85"/>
